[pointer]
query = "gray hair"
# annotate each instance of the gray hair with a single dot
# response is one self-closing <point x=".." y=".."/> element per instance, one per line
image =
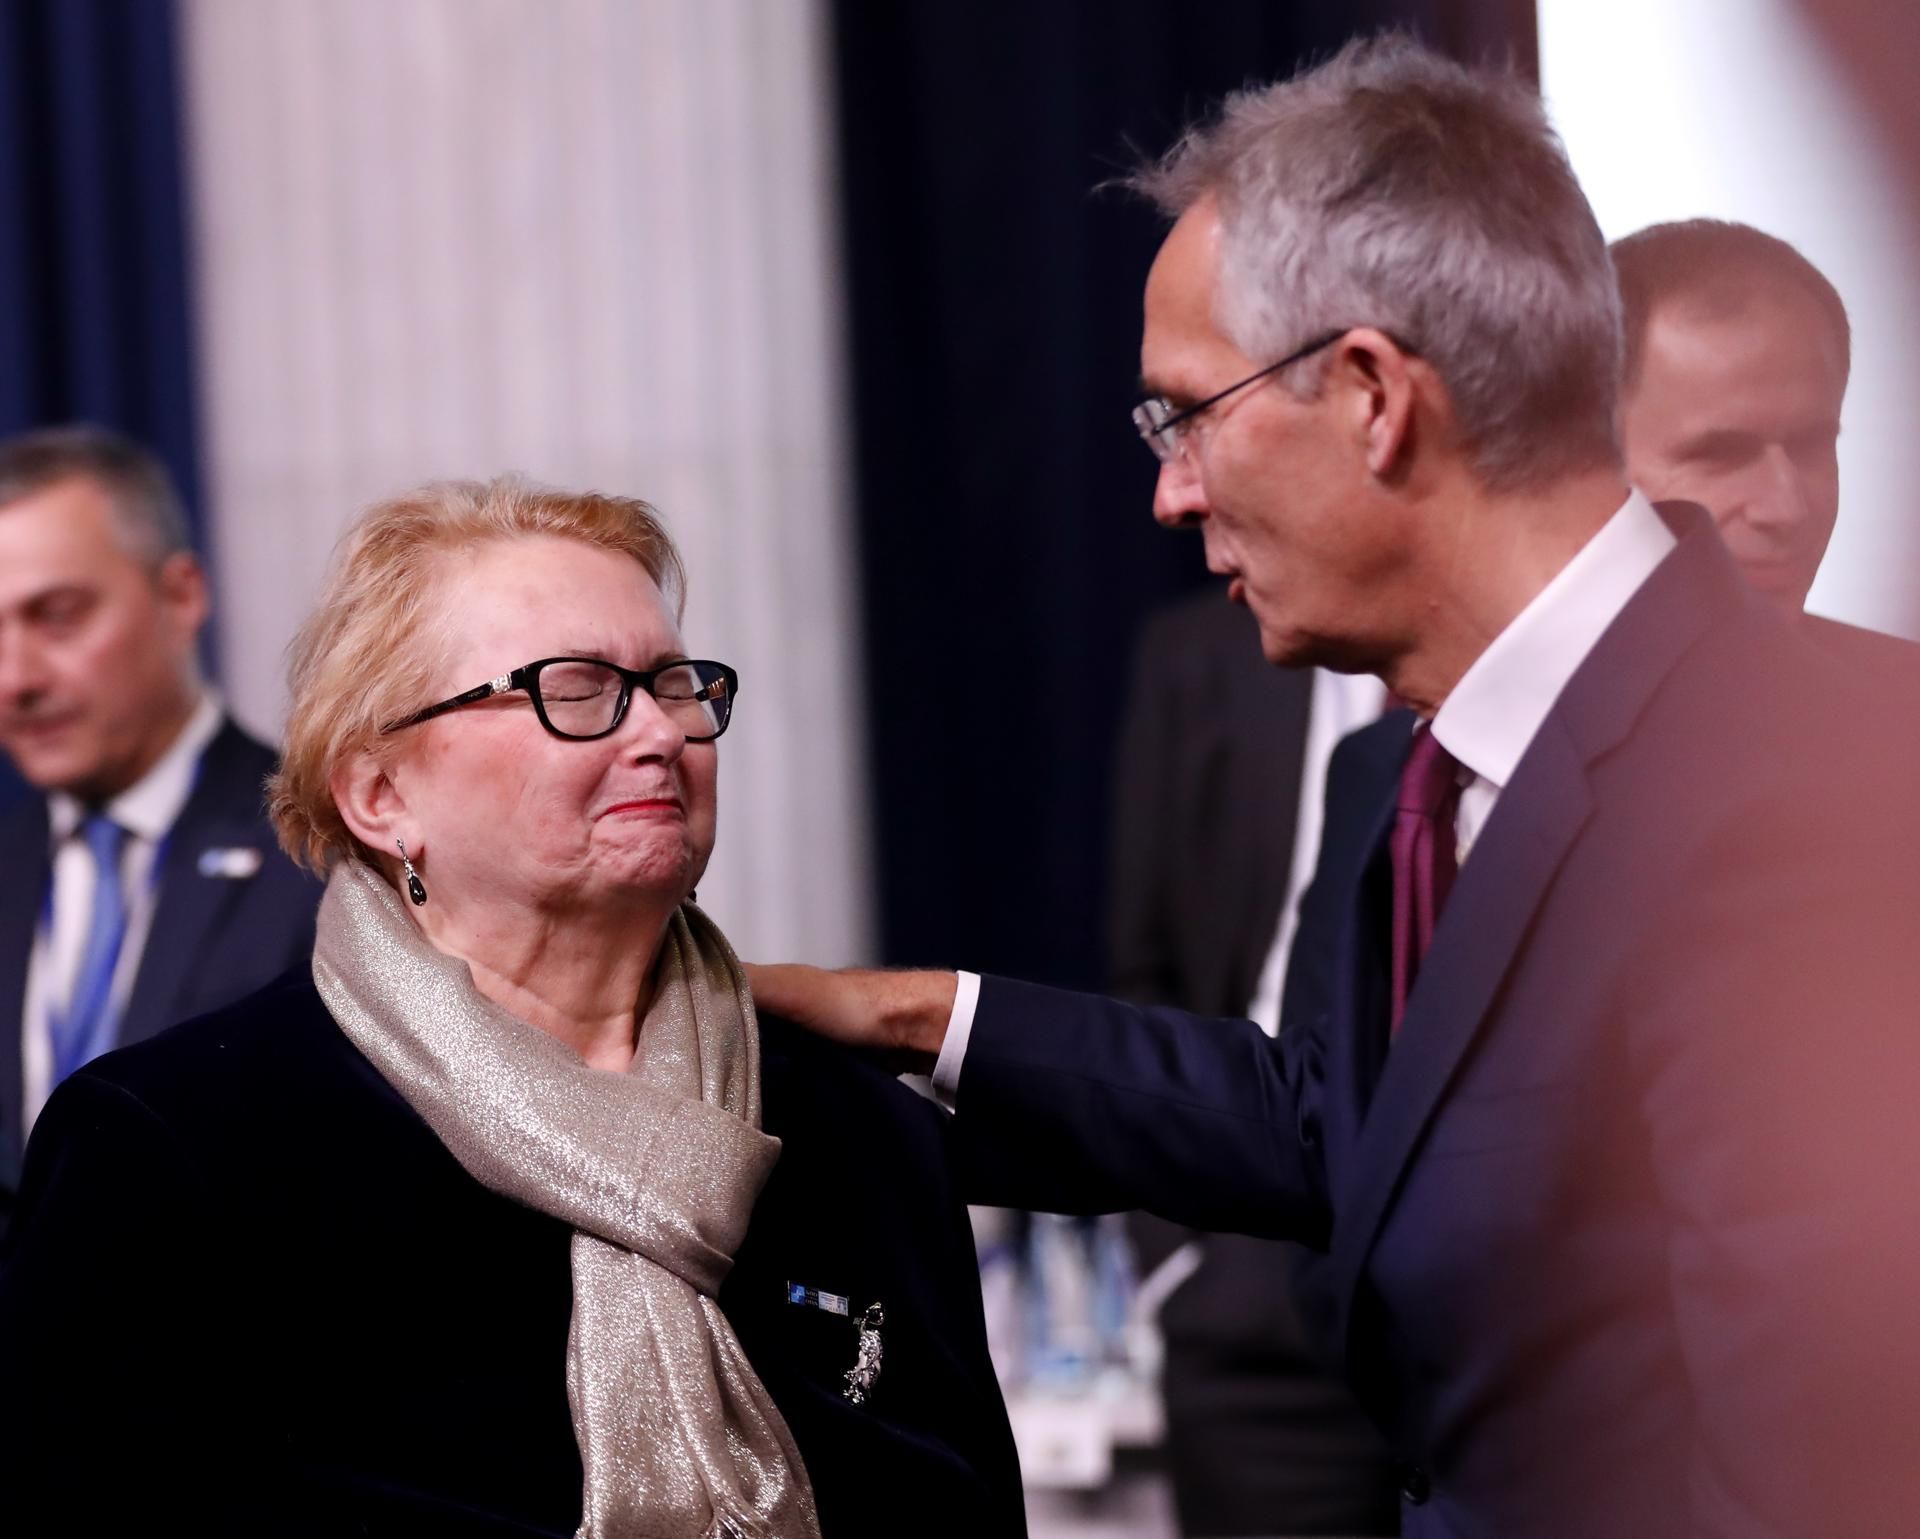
<point x="151" y="522"/>
<point x="1719" y="269"/>
<point x="1392" y="188"/>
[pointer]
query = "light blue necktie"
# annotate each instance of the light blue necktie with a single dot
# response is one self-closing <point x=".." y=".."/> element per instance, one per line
<point x="86" y="1029"/>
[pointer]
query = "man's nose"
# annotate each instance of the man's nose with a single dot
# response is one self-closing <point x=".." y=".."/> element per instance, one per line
<point x="1778" y="499"/>
<point x="1179" y="498"/>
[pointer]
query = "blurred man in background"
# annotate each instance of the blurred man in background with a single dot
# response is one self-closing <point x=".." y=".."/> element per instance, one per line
<point x="1738" y="351"/>
<point x="1737" y="354"/>
<point x="142" y="884"/>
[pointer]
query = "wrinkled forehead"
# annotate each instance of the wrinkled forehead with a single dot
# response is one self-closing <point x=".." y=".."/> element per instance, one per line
<point x="1186" y="268"/>
<point x="62" y="534"/>
<point x="1773" y="313"/>
<point x="1773" y="342"/>
<point x="505" y="602"/>
<point x="1181" y="320"/>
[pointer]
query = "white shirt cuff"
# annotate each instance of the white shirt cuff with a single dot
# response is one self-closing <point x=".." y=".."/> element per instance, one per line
<point x="953" y="1050"/>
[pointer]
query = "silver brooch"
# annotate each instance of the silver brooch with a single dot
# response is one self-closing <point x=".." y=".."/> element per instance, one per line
<point x="866" y="1362"/>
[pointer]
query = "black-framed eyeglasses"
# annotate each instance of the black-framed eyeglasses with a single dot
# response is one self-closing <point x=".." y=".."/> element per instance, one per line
<point x="1160" y="425"/>
<point x="583" y="698"/>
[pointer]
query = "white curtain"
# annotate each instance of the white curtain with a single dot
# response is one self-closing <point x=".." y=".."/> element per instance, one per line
<point x="588" y="240"/>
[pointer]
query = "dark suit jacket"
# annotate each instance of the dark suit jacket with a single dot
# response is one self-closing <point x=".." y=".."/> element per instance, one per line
<point x="213" y="938"/>
<point x="1206" y="794"/>
<point x="1620" y="1232"/>
<point x="249" y="1291"/>
<point x="1262" y="1438"/>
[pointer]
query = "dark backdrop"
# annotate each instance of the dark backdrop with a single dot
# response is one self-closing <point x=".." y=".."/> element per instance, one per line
<point x="94" y="320"/>
<point x="1007" y="551"/>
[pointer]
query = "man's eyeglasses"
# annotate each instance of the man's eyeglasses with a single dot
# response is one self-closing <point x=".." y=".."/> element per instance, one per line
<point x="1161" y="426"/>
<point x="582" y="698"/>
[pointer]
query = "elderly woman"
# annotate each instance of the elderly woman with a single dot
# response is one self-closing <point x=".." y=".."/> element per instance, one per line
<point x="509" y="1218"/>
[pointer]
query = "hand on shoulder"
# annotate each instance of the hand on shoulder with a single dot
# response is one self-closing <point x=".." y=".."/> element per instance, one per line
<point x="902" y="1015"/>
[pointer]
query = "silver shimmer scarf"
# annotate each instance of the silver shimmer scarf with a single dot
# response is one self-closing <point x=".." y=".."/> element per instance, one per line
<point x="656" y="1170"/>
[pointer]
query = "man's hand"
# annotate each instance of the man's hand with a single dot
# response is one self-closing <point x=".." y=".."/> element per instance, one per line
<point x="902" y="1015"/>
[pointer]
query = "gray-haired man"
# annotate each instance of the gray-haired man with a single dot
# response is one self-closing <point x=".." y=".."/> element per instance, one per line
<point x="1597" y="1044"/>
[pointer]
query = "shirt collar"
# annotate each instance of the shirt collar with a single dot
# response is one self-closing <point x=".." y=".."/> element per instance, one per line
<point x="148" y="807"/>
<point x="1492" y="714"/>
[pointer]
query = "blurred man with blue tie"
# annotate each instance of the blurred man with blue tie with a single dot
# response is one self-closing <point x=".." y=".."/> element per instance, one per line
<point x="142" y="884"/>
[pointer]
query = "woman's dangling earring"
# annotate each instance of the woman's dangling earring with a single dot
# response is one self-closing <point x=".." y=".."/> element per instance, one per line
<point x="416" y="889"/>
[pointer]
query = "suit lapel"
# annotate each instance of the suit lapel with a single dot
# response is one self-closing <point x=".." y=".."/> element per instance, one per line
<point x="1494" y="900"/>
<point x="1503" y="883"/>
<point x="1359" y="1045"/>
<point x="23" y="835"/>
<point x="191" y="907"/>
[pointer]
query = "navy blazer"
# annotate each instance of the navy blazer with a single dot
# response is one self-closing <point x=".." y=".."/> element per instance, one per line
<point x="249" y="1291"/>
<point x="214" y="937"/>
<point x="1261" y="1435"/>
<point x="1888" y="666"/>
<point x="1619" y="1232"/>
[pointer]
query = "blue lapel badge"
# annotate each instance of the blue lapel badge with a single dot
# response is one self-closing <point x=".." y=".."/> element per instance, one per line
<point x="233" y="863"/>
<point x="815" y="1298"/>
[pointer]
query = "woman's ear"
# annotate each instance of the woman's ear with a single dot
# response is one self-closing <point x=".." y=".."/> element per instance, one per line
<point x="371" y="805"/>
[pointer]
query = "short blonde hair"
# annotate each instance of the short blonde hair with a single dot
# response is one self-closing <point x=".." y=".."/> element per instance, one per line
<point x="366" y="657"/>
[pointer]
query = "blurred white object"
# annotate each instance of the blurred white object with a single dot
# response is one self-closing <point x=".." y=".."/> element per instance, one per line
<point x="1064" y="1441"/>
<point x="1061" y="1287"/>
<point x="1002" y="1291"/>
<point x="1075" y="1355"/>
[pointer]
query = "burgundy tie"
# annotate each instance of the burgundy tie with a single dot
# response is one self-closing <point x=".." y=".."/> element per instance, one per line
<point x="1423" y="857"/>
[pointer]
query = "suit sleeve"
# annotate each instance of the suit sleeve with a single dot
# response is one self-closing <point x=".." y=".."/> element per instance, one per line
<point x="1071" y="1103"/>
<point x="1777" y="1044"/>
<point x="106" y="1417"/>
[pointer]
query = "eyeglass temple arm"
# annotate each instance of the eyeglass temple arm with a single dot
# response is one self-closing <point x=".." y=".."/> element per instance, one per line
<point x="499" y="686"/>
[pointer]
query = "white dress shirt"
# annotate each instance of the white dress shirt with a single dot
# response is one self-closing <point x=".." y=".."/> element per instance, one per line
<point x="1492" y="714"/>
<point x="146" y="810"/>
